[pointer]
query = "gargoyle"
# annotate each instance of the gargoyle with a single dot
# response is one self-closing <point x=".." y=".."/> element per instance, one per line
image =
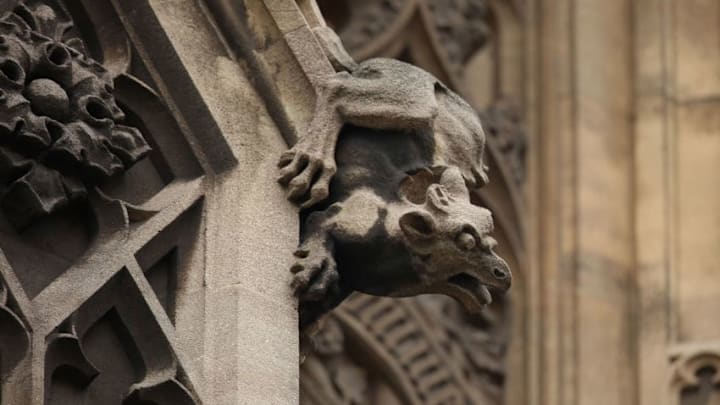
<point x="383" y="173"/>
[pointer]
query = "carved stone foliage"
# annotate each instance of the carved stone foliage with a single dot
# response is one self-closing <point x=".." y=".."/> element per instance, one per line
<point x="505" y="129"/>
<point x="101" y="197"/>
<point x="377" y="350"/>
<point x="58" y="117"/>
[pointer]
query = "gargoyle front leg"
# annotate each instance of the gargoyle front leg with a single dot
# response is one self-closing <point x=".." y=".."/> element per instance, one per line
<point x="309" y="166"/>
<point x="316" y="276"/>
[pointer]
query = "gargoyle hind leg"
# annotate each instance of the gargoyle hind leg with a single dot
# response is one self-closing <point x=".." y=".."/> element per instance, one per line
<point x="309" y="166"/>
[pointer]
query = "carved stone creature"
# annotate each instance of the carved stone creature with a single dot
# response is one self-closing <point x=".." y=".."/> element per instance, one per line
<point x="396" y="217"/>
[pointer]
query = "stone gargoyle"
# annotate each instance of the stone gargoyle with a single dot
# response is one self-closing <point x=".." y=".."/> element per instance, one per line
<point x="383" y="174"/>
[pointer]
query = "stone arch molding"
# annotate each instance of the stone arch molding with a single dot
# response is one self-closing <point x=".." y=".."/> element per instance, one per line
<point x="695" y="373"/>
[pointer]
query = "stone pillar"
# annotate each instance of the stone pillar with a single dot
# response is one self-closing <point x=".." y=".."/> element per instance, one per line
<point x="677" y="149"/>
<point x="250" y="328"/>
<point x="581" y="194"/>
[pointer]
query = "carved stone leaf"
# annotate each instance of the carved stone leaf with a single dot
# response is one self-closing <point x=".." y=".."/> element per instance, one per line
<point x="40" y="191"/>
<point x="84" y="149"/>
<point x="13" y="165"/>
<point x="128" y="144"/>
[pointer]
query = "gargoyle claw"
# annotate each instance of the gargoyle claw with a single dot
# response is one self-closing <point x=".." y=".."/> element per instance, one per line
<point x="306" y="176"/>
<point x="290" y="164"/>
<point x="299" y="186"/>
<point x="315" y="275"/>
<point x="319" y="289"/>
<point x="321" y="189"/>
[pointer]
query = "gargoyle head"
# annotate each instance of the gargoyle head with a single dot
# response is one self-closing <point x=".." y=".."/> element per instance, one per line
<point x="450" y="247"/>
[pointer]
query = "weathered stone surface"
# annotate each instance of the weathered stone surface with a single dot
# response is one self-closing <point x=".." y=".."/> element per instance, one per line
<point x="250" y="317"/>
<point x="117" y="259"/>
<point x="119" y="293"/>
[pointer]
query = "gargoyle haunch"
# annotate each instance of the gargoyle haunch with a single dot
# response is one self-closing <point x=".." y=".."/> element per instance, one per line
<point x="384" y="172"/>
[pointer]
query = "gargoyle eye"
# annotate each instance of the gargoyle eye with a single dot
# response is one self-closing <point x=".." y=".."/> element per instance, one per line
<point x="466" y="241"/>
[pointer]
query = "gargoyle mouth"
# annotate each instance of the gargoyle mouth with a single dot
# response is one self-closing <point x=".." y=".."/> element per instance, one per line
<point x="469" y="290"/>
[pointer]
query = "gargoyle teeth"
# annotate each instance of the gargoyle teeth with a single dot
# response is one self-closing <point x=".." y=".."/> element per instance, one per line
<point x="484" y="295"/>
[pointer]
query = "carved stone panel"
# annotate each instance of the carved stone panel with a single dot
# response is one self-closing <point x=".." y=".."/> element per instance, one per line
<point x="14" y="338"/>
<point x="112" y="348"/>
<point x="101" y="200"/>
<point x="423" y="350"/>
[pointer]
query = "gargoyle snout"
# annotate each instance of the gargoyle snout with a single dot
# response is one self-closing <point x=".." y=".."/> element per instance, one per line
<point x="502" y="274"/>
<point x="499" y="275"/>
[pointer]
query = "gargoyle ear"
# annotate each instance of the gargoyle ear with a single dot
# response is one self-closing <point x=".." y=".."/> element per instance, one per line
<point x="417" y="225"/>
<point x="415" y="185"/>
<point x="454" y="183"/>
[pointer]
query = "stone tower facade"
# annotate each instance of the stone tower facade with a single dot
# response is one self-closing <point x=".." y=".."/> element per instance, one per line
<point x="146" y="245"/>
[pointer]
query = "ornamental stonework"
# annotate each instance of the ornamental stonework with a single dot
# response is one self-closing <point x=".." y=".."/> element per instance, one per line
<point x="60" y="127"/>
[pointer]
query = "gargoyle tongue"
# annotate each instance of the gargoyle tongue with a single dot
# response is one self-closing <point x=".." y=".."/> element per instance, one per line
<point x="472" y="286"/>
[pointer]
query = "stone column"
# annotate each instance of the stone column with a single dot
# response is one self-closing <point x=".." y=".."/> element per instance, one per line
<point x="250" y="344"/>
<point x="582" y="203"/>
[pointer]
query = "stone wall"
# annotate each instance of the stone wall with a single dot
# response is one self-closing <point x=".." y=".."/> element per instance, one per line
<point x="624" y="140"/>
<point x="167" y="284"/>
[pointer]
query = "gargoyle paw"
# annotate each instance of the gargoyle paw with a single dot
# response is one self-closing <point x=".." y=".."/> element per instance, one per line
<point x="316" y="275"/>
<point x="306" y="175"/>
